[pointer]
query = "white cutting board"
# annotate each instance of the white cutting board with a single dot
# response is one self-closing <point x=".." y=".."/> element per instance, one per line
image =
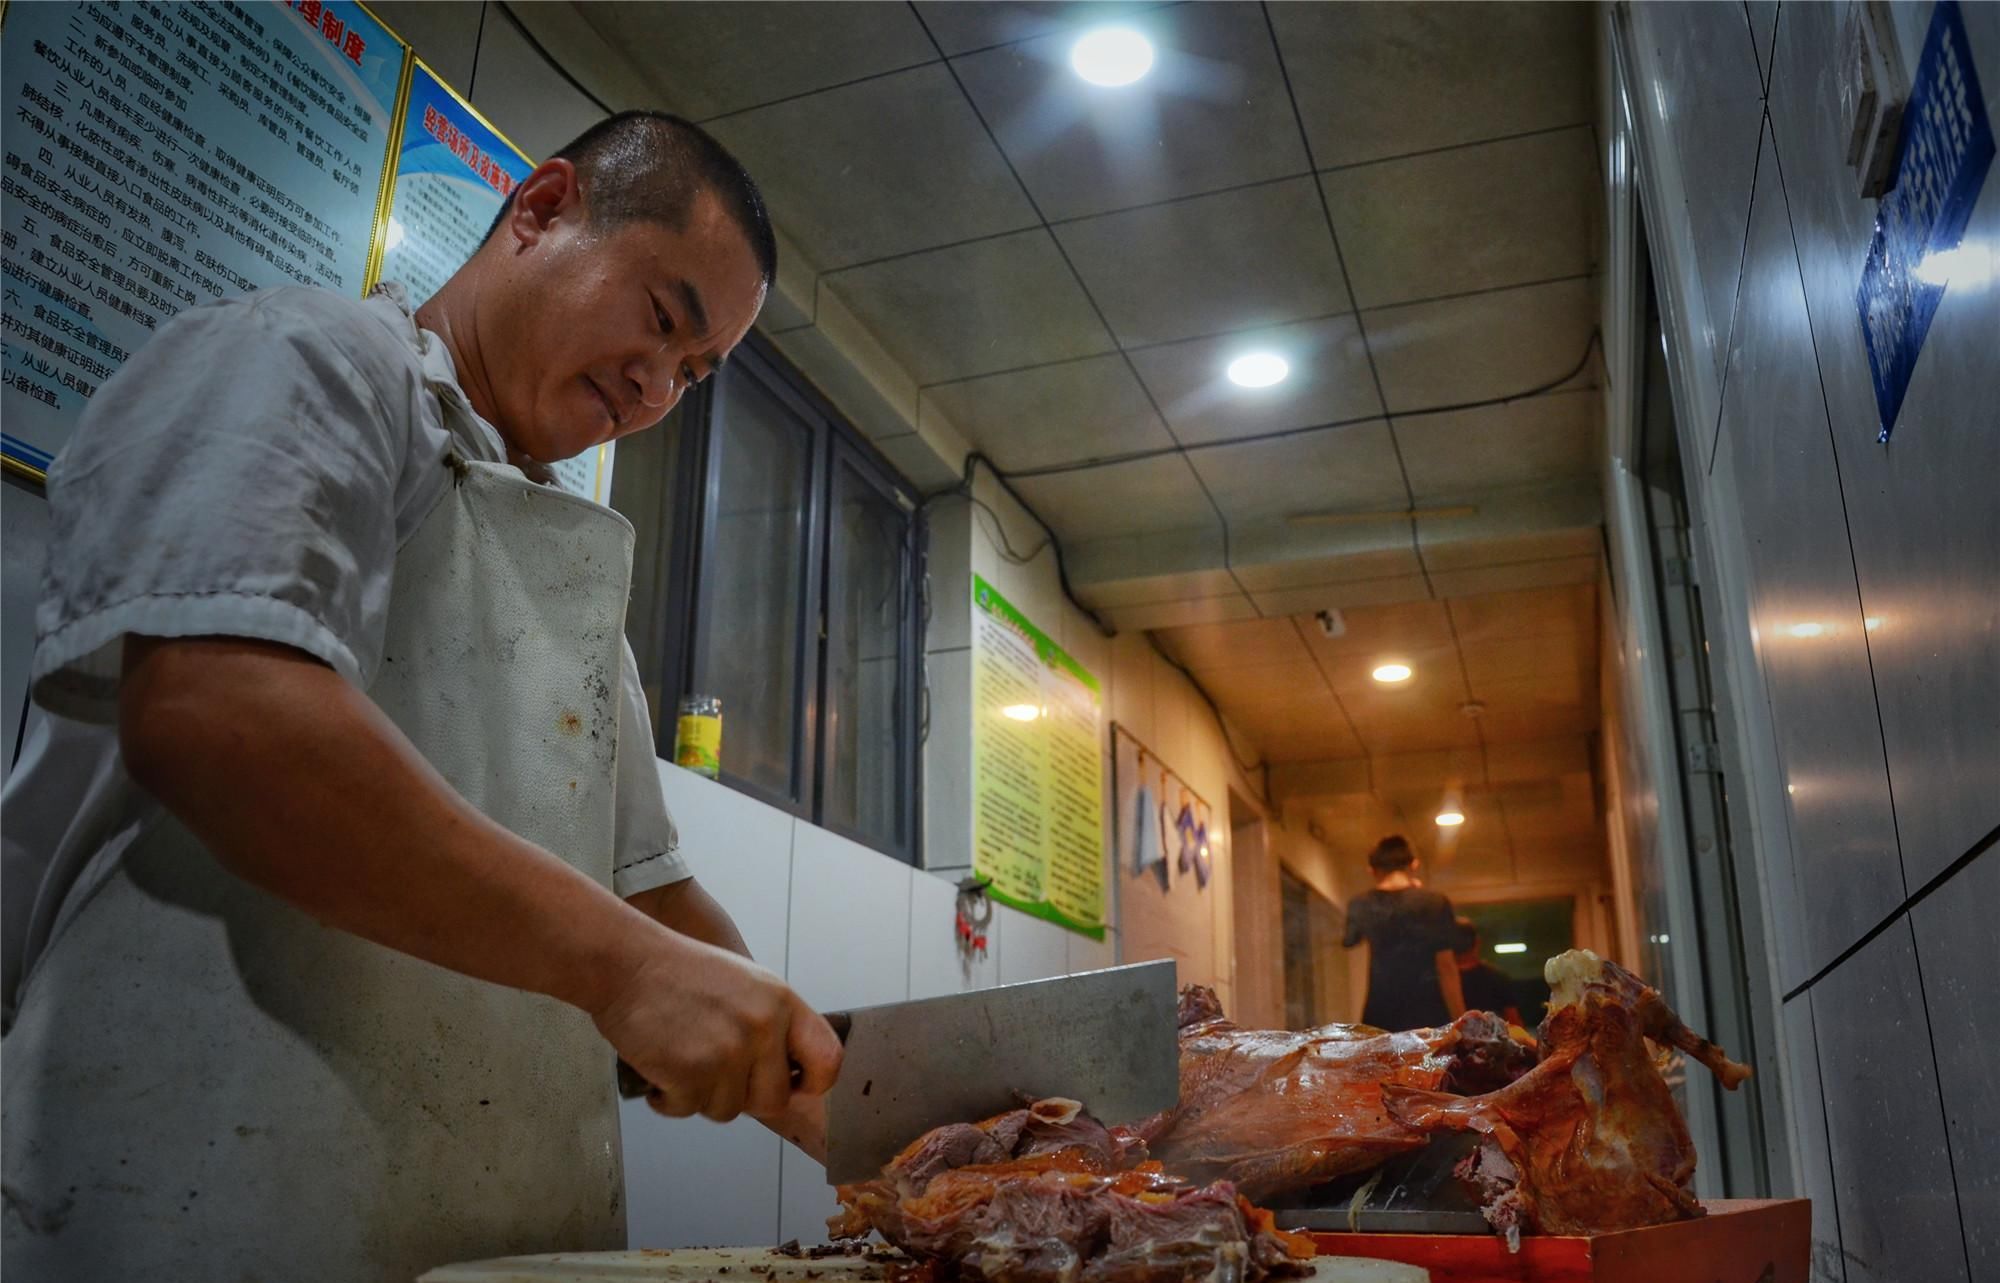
<point x="734" y="1265"/>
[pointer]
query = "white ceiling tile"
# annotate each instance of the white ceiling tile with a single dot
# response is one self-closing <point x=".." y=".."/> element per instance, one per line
<point x="1533" y="612"/>
<point x="1520" y="659"/>
<point x="1500" y="213"/>
<point x="1497" y="344"/>
<point x="1370" y="629"/>
<point x="1212" y="113"/>
<point x="1377" y="80"/>
<point x="1315" y="572"/>
<point x="1173" y="614"/>
<point x="1153" y="589"/>
<point x="1333" y="742"/>
<point x="1434" y="671"/>
<point x="888" y="166"/>
<point x="446" y="36"/>
<point x="1054" y="414"/>
<point x="1467" y="451"/>
<point x="1159" y="494"/>
<point x="1471" y="554"/>
<point x="527" y="100"/>
<point x="992" y="305"/>
<point x="1257" y="642"/>
<point x="1351" y="469"/>
<point x="1499" y="725"/>
<point x="1259" y="687"/>
<point x="1342" y="596"/>
<point x="1526" y="574"/>
<point x="1329" y="381"/>
<point x="961" y="26"/>
<point x="708" y="57"/>
<point x="1257" y="256"/>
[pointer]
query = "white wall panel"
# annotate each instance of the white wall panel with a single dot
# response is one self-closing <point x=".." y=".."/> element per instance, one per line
<point x="1925" y="533"/>
<point x="1805" y="613"/>
<point x="936" y="967"/>
<point x="24" y="535"/>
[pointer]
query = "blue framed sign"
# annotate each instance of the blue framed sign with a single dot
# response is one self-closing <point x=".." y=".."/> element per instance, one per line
<point x="160" y="155"/>
<point x="1946" y="149"/>
<point x="454" y="171"/>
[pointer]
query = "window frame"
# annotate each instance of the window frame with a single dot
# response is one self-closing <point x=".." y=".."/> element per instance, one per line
<point x="690" y="596"/>
<point x="884" y="482"/>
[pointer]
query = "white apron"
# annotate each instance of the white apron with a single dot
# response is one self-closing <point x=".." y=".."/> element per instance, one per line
<point x="205" y="1084"/>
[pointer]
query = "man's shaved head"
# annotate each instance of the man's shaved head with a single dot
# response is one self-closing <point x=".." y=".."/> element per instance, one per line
<point x="650" y="166"/>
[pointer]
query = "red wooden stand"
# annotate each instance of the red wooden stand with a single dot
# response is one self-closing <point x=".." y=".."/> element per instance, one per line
<point x="1741" y="1240"/>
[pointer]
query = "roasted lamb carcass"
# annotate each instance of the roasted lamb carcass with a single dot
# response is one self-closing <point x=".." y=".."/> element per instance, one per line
<point x="1046" y="1195"/>
<point x="1589" y="1140"/>
<point x="1275" y="1111"/>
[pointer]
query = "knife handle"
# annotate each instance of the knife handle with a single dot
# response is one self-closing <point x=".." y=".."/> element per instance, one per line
<point x="632" y="1085"/>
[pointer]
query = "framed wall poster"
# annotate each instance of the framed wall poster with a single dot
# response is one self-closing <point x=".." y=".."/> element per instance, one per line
<point x="453" y="174"/>
<point x="1037" y="769"/>
<point x="162" y="155"/>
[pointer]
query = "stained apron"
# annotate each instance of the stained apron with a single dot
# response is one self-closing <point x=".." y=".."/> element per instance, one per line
<point x="204" y="1083"/>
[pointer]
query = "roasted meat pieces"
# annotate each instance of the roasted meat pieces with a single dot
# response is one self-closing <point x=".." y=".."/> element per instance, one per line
<point x="1275" y="1111"/>
<point x="1589" y="1140"/>
<point x="1046" y="1195"/>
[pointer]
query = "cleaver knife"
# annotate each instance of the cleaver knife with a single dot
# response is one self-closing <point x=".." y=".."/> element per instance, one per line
<point x="1106" y="1038"/>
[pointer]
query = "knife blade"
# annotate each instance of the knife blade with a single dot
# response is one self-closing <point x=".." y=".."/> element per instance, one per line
<point x="1106" y="1038"/>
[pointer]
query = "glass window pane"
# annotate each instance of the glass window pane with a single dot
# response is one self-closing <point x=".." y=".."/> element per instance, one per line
<point x="755" y="568"/>
<point x="864" y="722"/>
<point x="645" y="486"/>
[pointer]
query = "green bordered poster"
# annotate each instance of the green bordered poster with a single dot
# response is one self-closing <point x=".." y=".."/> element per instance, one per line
<point x="1037" y="769"/>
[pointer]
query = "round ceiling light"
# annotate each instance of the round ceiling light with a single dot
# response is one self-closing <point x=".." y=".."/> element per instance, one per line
<point x="1258" y="370"/>
<point x="1389" y="674"/>
<point x="1450" y="819"/>
<point x="1112" y="56"/>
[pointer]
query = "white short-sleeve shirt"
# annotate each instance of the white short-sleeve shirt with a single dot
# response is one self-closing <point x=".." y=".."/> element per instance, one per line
<point x="250" y="472"/>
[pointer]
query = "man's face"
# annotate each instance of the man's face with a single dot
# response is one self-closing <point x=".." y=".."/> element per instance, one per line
<point x="606" y="329"/>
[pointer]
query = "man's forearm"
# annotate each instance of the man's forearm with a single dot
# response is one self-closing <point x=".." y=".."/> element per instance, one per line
<point x="686" y="907"/>
<point x="300" y="785"/>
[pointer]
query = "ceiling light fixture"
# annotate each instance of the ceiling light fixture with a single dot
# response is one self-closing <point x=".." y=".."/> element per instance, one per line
<point x="1112" y="56"/>
<point x="1450" y="819"/>
<point x="1512" y="946"/>
<point x="1258" y="370"/>
<point x="1021" y="712"/>
<point x="1390" y="674"/>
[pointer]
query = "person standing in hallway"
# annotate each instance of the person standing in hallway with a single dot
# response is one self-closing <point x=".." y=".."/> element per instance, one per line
<point x="1413" y="977"/>
<point x="1485" y="986"/>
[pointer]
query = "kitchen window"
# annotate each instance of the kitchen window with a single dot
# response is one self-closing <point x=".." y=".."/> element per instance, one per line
<point x="777" y="567"/>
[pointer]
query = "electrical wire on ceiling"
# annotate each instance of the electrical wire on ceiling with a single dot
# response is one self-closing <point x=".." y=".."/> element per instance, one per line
<point x="1002" y="544"/>
<point x="1139" y="456"/>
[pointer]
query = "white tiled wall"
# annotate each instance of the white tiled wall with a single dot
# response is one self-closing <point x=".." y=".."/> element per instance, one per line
<point x="1886" y="717"/>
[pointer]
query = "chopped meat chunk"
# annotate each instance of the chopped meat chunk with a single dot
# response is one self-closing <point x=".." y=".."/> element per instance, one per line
<point x="1589" y="1140"/>
<point x="1047" y="1195"/>
<point x="1274" y="1111"/>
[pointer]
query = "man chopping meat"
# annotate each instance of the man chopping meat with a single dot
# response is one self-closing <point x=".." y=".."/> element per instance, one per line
<point x="340" y="868"/>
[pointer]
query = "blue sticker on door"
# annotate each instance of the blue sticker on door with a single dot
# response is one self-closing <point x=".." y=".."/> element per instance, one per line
<point x="1946" y="149"/>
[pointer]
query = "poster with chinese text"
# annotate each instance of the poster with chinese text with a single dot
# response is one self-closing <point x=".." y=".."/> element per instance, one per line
<point x="454" y="172"/>
<point x="160" y="155"/>
<point x="1037" y="770"/>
